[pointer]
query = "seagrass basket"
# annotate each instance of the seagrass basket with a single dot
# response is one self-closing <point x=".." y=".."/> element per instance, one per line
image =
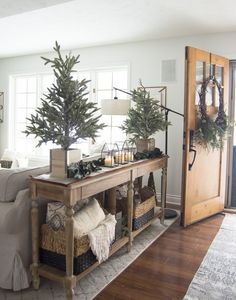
<point x="142" y="212"/>
<point x="52" y="240"/>
<point x="53" y="250"/>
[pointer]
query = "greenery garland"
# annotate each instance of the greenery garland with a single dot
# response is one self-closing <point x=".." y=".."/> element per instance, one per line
<point x="82" y="169"/>
<point x="211" y="132"/>
<point x="148" y="154"/>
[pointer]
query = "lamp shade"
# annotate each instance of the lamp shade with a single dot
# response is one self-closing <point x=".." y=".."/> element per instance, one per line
<point x="115" y="106"/>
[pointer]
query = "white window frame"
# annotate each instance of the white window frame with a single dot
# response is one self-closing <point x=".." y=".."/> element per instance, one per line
<point x="12" y="96"/>
<point x="12" y="107"/>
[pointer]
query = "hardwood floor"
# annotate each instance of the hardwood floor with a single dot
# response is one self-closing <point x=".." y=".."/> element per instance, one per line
<point x="165" y="270"/>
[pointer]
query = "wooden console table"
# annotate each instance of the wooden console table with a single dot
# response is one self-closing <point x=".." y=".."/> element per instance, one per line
<point x="69" y="191"/>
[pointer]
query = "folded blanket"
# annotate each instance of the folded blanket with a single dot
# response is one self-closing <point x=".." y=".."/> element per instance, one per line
<point x="88" y="218"/>
<point x="102" y="236"/>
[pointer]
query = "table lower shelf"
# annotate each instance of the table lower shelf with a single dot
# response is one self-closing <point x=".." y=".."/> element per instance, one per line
<point x="59" y="276"/>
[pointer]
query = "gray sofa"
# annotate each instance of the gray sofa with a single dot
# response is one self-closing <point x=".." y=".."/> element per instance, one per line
<point x="15" y="227"/>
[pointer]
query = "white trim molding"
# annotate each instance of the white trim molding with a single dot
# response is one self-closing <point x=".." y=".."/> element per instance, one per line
<point x="171" y="199"/>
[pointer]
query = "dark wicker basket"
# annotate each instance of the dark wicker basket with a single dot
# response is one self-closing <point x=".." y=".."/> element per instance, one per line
<point x="56" y="260"/>
<point x="142" y="220"/>
<point x="143" y="212"/>
<point x="5" y="164"/>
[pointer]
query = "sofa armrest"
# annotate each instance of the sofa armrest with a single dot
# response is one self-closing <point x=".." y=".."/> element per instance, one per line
<point x="15" y="216"/>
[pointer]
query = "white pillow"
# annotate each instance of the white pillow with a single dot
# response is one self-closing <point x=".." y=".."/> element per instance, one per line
<point x="56" y="213"/>
<point x="8" y="155"/>
<point x="88" y="218"/>
<point x="19" y="160"/>
<point x="22" y="160"/>
<point x="11" y="156"/>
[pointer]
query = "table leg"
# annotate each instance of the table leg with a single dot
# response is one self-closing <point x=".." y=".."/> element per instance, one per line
<point x="35" y="237"/>
<point x="112" y="200"/>
<point x="163" y="193"/>
<point x="70" y="278"/>
<point x="130" y="201"/>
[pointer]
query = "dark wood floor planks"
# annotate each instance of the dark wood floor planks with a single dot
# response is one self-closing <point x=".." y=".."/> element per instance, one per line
<point x="165" y="270"/>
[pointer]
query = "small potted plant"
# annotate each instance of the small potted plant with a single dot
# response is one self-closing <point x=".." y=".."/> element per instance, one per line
<point x="65" y="115"/>
<point x="144" y="119"/>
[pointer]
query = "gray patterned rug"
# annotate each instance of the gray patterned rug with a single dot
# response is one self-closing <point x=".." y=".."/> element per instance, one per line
<point x="93" y="283"/>
<point x="216" y="276"/>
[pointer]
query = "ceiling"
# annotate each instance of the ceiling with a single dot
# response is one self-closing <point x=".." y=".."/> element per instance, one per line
<point x="14" y="7"/>
<point x="28" y="26"/>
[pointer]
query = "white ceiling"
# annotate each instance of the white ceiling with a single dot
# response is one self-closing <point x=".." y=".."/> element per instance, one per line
<point x="13" y="7"/>
<point x="27" y="27"/>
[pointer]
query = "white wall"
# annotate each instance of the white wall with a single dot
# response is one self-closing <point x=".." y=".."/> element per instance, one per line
<point x="144" y="59"/>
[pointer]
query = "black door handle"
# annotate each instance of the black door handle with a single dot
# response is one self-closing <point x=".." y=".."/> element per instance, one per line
<point x="191" y="149"/>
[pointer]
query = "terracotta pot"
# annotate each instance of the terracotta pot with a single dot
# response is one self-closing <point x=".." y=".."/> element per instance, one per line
<point x="145" y="144"/>
<point x="60" y="160"/>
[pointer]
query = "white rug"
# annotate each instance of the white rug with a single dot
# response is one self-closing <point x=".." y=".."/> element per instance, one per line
<point x="216" y="276"/>
<point x="93" y="283"/>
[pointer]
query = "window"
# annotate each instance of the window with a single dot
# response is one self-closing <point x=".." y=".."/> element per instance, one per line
<point x="27" y="91"/>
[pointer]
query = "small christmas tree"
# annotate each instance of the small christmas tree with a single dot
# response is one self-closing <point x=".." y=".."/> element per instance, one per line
<point x="145" y="118"/>
<point x="66" y="114"/>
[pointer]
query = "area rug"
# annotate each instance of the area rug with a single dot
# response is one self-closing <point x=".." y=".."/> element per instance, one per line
<point x="91" y="285"/>
<point x="216" y="276"/>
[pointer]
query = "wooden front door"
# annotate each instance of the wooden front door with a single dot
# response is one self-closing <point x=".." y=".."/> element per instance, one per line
<point x="203" y="183"/>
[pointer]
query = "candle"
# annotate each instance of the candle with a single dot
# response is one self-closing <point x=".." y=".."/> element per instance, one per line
<point x="109" y="161"/>
<point x="120" y="157"/>
<point x="129" y="156"/>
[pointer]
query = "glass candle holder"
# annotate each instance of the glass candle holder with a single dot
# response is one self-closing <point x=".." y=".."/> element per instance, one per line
<point x="121" y="155"/>
<point x="108" y="154"/>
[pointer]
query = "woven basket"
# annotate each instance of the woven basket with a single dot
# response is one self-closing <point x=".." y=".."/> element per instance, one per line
<point x="53" y="250"/>
<point x="143" y="212"/>
<point x="5" y="164"/>
<point x="56" y="241"/>
<point x="56" y="260"/>
<point x="141" y="208"/>
<point x="142" y="220"/>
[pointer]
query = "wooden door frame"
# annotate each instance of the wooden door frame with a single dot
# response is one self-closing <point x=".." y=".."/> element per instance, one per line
<point x="231" y="109"/>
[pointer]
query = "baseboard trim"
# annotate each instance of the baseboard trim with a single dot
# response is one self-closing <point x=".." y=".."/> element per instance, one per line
<point x="171" y="199"/>
<point x="230" y="210"/>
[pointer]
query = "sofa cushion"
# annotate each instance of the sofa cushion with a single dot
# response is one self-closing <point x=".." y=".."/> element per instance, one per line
<point x="14" y="180"/>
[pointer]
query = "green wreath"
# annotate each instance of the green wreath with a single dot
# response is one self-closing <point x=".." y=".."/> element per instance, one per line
<point x="211" y="132"/>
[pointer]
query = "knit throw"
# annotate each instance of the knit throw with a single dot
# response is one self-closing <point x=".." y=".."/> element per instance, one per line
<point x="101" y="238"/>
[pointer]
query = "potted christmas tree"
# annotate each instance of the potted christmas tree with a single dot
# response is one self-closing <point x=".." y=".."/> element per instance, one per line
<point x="65" y="115"/>
<point x="144" y="120"/>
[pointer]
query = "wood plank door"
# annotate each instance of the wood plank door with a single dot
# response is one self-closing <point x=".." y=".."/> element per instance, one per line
<point x="203" y="184"/>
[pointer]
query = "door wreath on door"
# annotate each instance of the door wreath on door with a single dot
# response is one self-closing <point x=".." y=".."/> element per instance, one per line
<point x="211" y="130"/>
